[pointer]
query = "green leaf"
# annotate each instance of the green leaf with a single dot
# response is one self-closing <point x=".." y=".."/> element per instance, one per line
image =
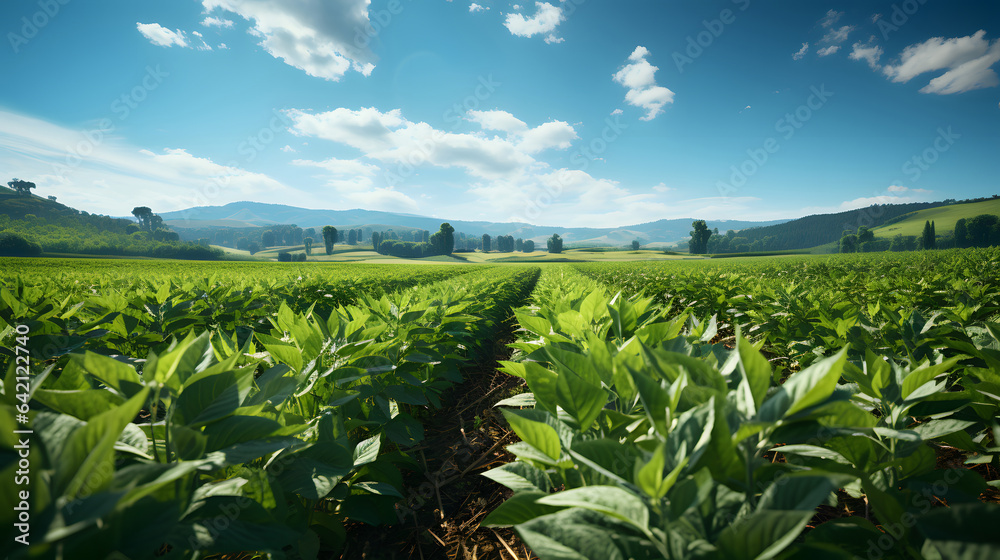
<point x="609" y="500"/>
<point x="520" y="477"/>
<point x="762" y="535"/>
<point x="536" y="434"/>
<point x="519" y="400"/>
<point x="755" y="369"/>
<point x="367" y="451"/>
<point x="577" y="534"/>
<point x="521" y="507"/>
<point x="804" y="389"/>
<point x="580" y="398"/>
<point x="86" y="462"/>
<point x="80" y="404"/>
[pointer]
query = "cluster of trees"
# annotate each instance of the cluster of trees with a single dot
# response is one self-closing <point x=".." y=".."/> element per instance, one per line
<point x="13" y="245"/>
<point x="555" y="243"/>
<point x="285" y="256"/>
<point x="699" y="238"/>
<point x="441" y="243"/>
<point x="32" y="224"/>
<point x="506" y="244"/>
<point x="83" y="236"/>
<point x="21" y="188"/>
<point x="980" y="231"/>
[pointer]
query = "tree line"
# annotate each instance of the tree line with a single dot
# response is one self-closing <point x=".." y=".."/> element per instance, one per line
<point x="980" y="231"/>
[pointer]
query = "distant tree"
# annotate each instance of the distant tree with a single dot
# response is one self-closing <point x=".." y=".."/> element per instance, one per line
<point x="425" y="236"/>
<point x="308" y="242"/>
<point x="143" y="214"/>
<point x="487" y="242"/>
<point x="927" y="239"/>
<point x="311" y="232"/>
<point x="376" y="239"/>
<point x="329" y="238"/>
<point x="636" y="245"/>
<point x="22" y="188"/>
<point x="448" y="233"/>
<point x="983" y="230"/>
<point x="253" y="247"/>
<point x="961" y="234"/>
<point x="519" y="244"/>
<point x="52" y="198"/>
<point x="12" y="245"/>
<point x="555" y="243"/>
<point x="865" y="235"/>
<point x="267" y="239"/>
<point x="849" y="243"/>
<point x="699" y="238"/>
<point x="203" y="241"/>
<point x="284" y="256"/>
<point x="352" y="237"/>
<point x="529" y="246"/>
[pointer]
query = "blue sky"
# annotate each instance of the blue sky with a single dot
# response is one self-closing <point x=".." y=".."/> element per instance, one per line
<point x="566" y="113"/>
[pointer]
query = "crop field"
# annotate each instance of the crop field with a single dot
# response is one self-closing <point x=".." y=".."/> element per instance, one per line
<point x="812" y="407"/>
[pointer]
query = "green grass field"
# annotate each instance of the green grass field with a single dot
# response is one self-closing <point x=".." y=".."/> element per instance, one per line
<point x="944" y="218"/>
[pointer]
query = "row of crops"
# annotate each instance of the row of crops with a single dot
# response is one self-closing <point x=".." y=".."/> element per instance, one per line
<point x="784" y="408"/>
<point x="175" y="415"/>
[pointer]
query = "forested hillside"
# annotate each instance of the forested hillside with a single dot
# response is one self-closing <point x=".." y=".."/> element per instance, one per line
<point x="46" y="225"/>
<point x="811" y="231"/>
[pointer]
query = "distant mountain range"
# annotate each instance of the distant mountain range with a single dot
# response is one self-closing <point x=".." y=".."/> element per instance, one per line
<point x="256" y="214"/>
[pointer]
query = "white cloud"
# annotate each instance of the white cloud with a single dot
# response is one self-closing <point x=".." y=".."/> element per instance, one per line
<point x="217" y="22"/>
<point x="837" y="36"/>
<point x="831" y="17"/>
<point x="351" y="180"/>
<point x="902" y="189"/>
<point x="342" y="167"/>
<point x="111" y="177"/>
<point x="551" y="135"/>
<point x="638" y="76"/>
<point x="544" y="22"/>
<point x="497" y="120"/>
<point x="969" y="61"/>
<point x="662" y="188"/>
<point x="390" y="138"/>
<point x="868" y="52"/>
<point x="828" y="50"/>
<point x="161" y="36"/>
<point x="473" y="7"/>
<point x="801" y="52"/>
<point x="617" y="112"/>
<point x="324" y="39"/>
<point x="288" y="149"/>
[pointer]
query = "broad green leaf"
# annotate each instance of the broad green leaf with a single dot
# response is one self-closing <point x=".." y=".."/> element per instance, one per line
<point x="520" y="477"/>
<point x="536" y="434"/>
<point x="609" y="500"/>
<point x="523" y="506"/>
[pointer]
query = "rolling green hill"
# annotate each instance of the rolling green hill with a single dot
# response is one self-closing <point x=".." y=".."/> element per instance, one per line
<point x="944" y="218"/>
